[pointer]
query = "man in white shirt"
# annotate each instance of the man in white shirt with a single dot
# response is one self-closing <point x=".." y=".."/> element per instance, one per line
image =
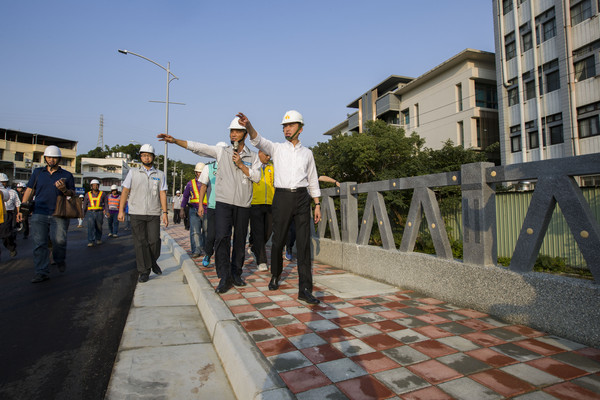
<point x="296" y="181"/>
<point x="177" y="207"/>
<point x="12" y="204"/>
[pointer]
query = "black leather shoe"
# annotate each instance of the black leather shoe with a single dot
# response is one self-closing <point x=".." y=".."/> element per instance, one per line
<point x="273" y="284"/>
<point x="307" y="296"/>
<point x="238" y="281"/>
<point x="224" y="286"/>
<point x="144" y="277"/>
<point x="156" y="269"/>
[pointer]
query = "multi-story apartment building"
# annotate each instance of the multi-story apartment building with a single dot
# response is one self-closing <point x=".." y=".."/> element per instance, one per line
<point x="109" y="171"/>
<point x="456" y="100"/>
<point x="21" y="152"/>
<point x="547" y="55"/>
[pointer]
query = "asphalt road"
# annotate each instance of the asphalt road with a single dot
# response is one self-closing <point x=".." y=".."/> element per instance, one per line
<point x="59" y="338"/>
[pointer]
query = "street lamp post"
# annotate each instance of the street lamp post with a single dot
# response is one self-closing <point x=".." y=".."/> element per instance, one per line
<point x="169" y="80"/>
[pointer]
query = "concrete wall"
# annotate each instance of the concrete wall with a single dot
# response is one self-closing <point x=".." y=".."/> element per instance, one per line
<point x="566" y="307"/>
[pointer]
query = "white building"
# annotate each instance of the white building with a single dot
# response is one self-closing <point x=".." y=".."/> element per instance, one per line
<point x="109" y="171"/>
<point x="455" y="100"/>
<point x="547" y="62"/>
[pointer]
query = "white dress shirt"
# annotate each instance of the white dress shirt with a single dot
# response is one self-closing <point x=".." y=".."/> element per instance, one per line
<point x="294" y="165"/>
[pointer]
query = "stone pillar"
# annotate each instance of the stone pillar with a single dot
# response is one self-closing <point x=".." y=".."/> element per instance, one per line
<point x="349" y="211"/>
<point x="478" y="215"/>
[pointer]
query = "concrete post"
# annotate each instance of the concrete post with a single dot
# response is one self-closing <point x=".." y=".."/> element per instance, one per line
<point x="479" y="215"/>
<point x="349" y="211"/>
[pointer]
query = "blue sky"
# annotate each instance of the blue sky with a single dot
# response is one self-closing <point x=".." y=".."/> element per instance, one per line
<point x="61" y="69"/>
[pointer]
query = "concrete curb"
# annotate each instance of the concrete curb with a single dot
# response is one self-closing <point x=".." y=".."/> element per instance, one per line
<point x="250" y="374"/>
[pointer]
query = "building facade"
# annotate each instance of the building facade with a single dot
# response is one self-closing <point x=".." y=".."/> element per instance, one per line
<point x="454" y="101"/>
<point x="21" y="152"/>
<point x="547" y="62"/>
<point x="111" y="170"/>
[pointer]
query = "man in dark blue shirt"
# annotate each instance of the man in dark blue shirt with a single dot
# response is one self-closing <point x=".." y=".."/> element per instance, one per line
<point x="46" y="183"/>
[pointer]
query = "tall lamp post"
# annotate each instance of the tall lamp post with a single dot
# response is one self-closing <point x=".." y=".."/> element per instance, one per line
<point x="169" y="79"/>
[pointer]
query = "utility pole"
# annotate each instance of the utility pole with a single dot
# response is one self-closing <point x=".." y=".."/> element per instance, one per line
<point x="101" y="133"/>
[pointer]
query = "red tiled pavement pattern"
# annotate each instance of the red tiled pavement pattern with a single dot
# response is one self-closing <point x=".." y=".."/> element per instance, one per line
<point x="400" y="345"/>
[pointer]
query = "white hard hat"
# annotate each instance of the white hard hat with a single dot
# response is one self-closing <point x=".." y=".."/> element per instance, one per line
<point x="52" y="151"/>
<point x="235" y="124"/>
<point x="222" y="144"/>
<point x="178" y="192"/>
<point x="291" y="117"/>
<point x="3" y="177"/>
<point x="199" y="167"/>
<point x="147" y="148"/>
<point x="21" y="185"/>
<point x="80" y="195"/>
<point x="96" y="181"/>
<point x="114" y="187"/>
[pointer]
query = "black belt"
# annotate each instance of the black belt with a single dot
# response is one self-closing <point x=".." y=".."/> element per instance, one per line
<point x="300" y="189"/>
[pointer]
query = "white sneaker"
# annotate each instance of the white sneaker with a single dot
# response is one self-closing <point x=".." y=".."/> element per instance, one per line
<point x="263" y="267"/>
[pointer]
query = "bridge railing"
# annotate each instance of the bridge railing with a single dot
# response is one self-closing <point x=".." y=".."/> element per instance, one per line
<point x="555" y="184"/>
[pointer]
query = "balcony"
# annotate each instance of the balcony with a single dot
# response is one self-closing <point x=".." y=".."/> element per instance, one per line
<point x="353" y="121"/>
<point x="387" y="102"/>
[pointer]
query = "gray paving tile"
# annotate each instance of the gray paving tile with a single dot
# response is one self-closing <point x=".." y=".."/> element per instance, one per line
<point x="375" y="308"/>
<point x="459" y="343"/>
<point x="455" y="328"/>
<point x="265" y="306"/>
<point x="369" y="318"/>
<point x="493" y="321"/>
<point x="362" y="330"/>
<point x="321" y="325"/>
<point x="296" y="310"/>
<point x="341" y="306"/>
<point x="329" y="392"/>
<point x="237" y="302"/>
<point x="401" y="380"/>
<point x="562" y="343"/>
<point x="463" y="363"/>
<point x="411" y="322"/>
<point x="247" y="316"/>
<point x="467" y="389"/>
<point x="280" y="297"/>
<point x="353" y="347"/>
<point x="341" y="370"/>
<point x="289" y="361"/>
<point x="504" y="334"/>
<point x="249" y="295"/>
<point x="329" y="314"/>
<point x="283" y="320"/>
<point x="590" y="382"/>
<point x="578" y="361"/>
<point x="265" y="334"/>
<point x="517" y="352"/>
<point x="408" y="336"/>
<point x="308" y="340"/>
<point x="413" y="311"/>
<point x="539" y="395"/>
<point x="405" y="355"/>
<point x="530" y="374"/>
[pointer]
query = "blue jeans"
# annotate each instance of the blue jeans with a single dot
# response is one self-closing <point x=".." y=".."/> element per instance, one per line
<point x="94" y="224"/>
<point x="196" y="232"/>
<point x="42" y="227"/>
<point x="113" y="223"/>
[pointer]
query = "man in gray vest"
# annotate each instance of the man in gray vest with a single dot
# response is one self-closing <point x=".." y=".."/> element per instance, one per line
<point x="145" y="191"/>
<point x="238" y="168"/>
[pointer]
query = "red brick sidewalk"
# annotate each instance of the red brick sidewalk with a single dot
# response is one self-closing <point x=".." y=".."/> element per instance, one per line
<point x="399" y="345"/>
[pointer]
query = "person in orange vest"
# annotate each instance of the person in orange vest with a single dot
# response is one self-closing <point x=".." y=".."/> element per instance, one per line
<point x="95" y="208"/>
<point x="191" y="199"/>
<point x="113" y="200"/>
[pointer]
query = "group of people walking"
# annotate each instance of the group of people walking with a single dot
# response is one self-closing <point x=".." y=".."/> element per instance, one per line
<point x="271" y="190"/>
<point x="248" y="187"/>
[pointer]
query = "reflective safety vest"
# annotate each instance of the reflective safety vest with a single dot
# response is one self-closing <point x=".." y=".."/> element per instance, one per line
<point x="94" y="201"/>
<point x="195" y="193"/>
<point x="113" y="202"/>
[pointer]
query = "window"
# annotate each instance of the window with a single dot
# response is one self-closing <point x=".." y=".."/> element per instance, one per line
<point x="417" y="115"/>
<point x="507" y="6"/>
<point x="556" y="134"/>
<point x="581" y="11"/>
<point x="19" y="156"/>
<point x="585" y="69"/>
<point x="589" y="127"/>
<point x="533" y="139"/>
<point x="478" y="128"/>
<point x="513" y="96"/>
<point x="549" y="77"/>
<point x="486" y="96"/>
<point x="529" y="82"/>
<point x="405" y="117"/>
<point x="461" y="133"/>
<point x="459" y="99"/>
<point x="545" y="25"/>
<point x="526" y="38"/>
<point x="515" y="138"/>
<point x="510" y="46"/>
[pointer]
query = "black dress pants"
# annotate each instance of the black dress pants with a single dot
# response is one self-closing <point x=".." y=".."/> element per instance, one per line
<point x="261" y="226"/>
<point x="288" y="206"/>
<point x="210" y="228"/>
<point x="227" y="217"/>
